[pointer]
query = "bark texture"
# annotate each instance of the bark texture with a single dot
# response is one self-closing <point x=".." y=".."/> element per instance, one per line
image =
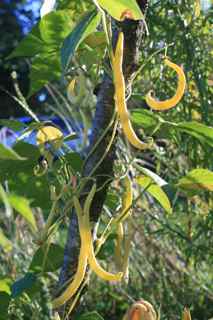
<point x="133" y="31"/>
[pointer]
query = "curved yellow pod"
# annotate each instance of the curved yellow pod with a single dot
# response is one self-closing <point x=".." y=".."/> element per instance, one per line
<point x="169" y="103"/>
<point x="120" y="101"/>
<point x="86" y="254"/>
<point x="82" y="262"/>
<point x="95" y="266"/>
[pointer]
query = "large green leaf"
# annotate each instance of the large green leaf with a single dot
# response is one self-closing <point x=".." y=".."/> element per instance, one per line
<point x="197" y="179"/>
<point x="5" y="243"/>
<point x="155" y="191"/>
<point x="20" y="177"/>
<point x="24" y="284"/>
<point x="200" y="131"/>
<point x="47" y="258"/>
<point x="45" y="68"/>
<point x="55" y="27"/>
<point x="34" y="188"/>
<point x="22" y="206"/>
<point x="9" y="169"/>
<point x="117" y="9"/>
<point x="74" y="160"/>
<point x="90" y="316"/>
<point x="47" y="36"/>
<point x="31" y="45"/>
<point x="86" y="26"/>
<point x="4" y="304"/>
<point x="43" y="43"/>
<point x="9" y="154"/>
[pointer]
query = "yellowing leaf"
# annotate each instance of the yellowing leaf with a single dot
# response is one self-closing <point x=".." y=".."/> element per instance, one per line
<point x="155" y="191"/>
<point x="197" y="179"/>
<point x="5" y="285"/>
<point x="71" y="89"/>
<point x="120" y="9"/>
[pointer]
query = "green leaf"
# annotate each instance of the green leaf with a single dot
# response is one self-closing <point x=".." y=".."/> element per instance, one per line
<point x="86" y="26"/>
<point x="112" y="200"/>
<point x="5" y="243"/>
<point x="197" y="179"/>
<point x="23" y="285"/>
<point x="47" y="258"/>
<point x="12" y="124"/>
<point x="5" y="285"/>
<point x="9" y="169"/>
<point x="116" y="9"/>
<point x="4" y="304"/>
<point x="55" y="27"/>
<point x="34" y="188"/>
<point x="145" y="118"/>
<point x="45" y="68"/>
<point x="96" y="39"/>
<point x="90" y="316"/>
<point x="20" y="177"/>
<point x="46" y="36"/>
<point x="22" y="206"/>
<point x="74" y="160"/>
<point x="31" y="45"/>
<point x="156" y="178"/>
<point x="9" y="154"/>
<point x="155" y="191"/>
<point x="200" y="131"/>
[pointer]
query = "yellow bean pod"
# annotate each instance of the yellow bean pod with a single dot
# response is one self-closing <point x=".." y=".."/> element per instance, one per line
<point x="118" y="245"/>
<point x="86" y="254"/>
<point x="95" y="266"/>
<point x="82" y="261"/>
<point x="120" y="101"/>
<point x="126" y="204"/>
<point x="186" y="314"/>
<point x="127" y="247"/>
<point x="172" y="102"/>
<point x="89" y="199"/>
